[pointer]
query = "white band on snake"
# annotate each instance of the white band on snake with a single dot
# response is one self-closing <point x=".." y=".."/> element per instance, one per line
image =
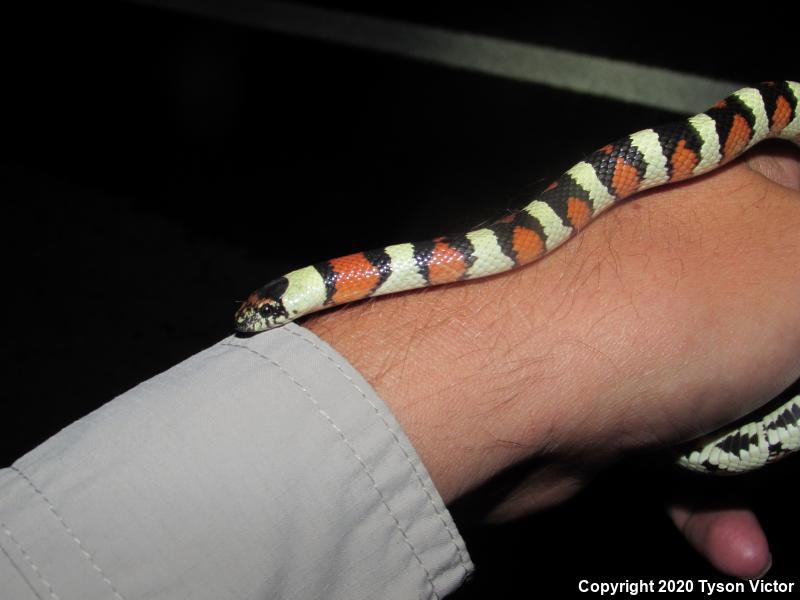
<point x="637" y="162"/>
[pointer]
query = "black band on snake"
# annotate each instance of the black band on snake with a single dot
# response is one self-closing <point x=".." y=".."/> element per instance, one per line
<point x="642" y="160"/>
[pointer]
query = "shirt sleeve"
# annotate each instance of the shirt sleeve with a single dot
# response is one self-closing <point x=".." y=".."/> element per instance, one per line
<point x="262" y="467"/>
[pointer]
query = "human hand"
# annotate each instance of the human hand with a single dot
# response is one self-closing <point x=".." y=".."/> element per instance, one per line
<point x="669" y="317"/>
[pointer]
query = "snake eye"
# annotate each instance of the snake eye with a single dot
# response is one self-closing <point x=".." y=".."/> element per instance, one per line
<point x="265" y="310"/>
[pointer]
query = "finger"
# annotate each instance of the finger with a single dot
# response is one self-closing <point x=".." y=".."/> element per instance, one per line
<point x="731" y="539"/>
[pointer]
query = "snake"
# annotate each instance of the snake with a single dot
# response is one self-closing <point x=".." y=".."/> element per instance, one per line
<point x="646" y="159"/>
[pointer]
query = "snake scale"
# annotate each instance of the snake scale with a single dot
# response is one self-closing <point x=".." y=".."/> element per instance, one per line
<point x="637" y="162"/>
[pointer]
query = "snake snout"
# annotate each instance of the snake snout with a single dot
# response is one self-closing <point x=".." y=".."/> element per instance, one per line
<point x="248" y="319"/>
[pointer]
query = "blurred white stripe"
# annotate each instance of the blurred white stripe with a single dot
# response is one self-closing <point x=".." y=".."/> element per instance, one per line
<point x="619" y="80"/>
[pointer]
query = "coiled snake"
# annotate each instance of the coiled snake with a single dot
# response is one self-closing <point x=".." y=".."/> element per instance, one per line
<point x="640" y="161"/>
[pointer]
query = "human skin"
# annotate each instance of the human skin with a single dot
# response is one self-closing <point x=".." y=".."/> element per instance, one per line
<point x="668" y="317"/>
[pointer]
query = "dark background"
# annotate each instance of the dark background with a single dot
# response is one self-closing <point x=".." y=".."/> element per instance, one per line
<point x="157" y="167"/>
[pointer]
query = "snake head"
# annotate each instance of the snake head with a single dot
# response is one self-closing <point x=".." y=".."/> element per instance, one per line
<point x="264" y="308"/>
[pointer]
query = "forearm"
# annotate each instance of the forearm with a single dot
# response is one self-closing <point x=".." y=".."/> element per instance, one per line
<point x="593" y="349"/>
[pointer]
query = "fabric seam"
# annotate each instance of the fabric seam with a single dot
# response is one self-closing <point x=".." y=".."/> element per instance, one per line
<point x="30" y="562"/>
<point x="71" y="533"/>
<point x="353" y="451"/>
<point x="411" y="463"/>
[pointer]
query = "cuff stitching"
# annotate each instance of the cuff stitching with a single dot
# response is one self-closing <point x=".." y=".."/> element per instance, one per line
<point x="71" y="533"/>
<point x="413" y="465"/>
<point x="355" y="454"/>
<point x="30" y="562"/>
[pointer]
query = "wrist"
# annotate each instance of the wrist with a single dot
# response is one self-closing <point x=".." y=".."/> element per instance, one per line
<point x="626" y="338"/>
<point x="469" y="393"/>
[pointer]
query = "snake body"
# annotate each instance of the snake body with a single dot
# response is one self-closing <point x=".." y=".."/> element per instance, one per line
<point x="640" y="161"/>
